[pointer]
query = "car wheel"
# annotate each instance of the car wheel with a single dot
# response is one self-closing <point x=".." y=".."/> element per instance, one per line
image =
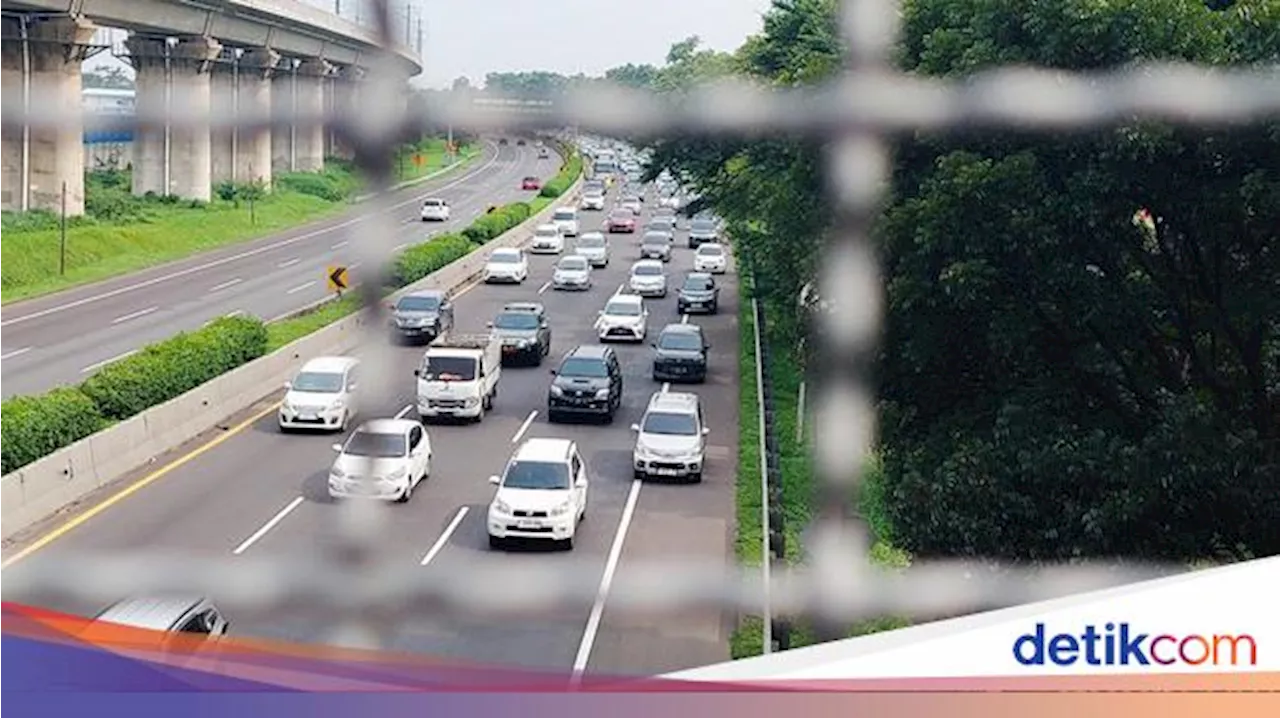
<point x="494" y="542"/>
<point x="638" y="475"/>
<point x="408" y="492"/>
<point x="346" y="421"/>
<point x="695" y="478"/>
<point x="567" y="544"/>
<point x="608" y="418"/>
<point x="552" y="417"/>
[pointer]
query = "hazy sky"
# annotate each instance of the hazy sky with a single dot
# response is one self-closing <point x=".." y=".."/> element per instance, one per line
<point x="475" y="37"/>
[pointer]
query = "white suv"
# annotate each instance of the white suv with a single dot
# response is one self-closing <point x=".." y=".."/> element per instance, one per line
<point x="435" y="210"/>
<point x="566" y="218"/>
<point x="321" y="395"/>
<point x="670" y="438"/>
<point x="623" y="317"/>
<point x="547" y="239"/>
<point x="542" y="494"/>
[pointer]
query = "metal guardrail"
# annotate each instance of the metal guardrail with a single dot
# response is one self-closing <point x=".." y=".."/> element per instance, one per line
<point x="858" y="113"/>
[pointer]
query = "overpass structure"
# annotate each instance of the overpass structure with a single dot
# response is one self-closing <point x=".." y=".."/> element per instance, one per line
<point x="243" y="56"/>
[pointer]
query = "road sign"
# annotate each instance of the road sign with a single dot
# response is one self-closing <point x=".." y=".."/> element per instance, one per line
<point x="418" y="159"/>
<point x="337" y="277"/>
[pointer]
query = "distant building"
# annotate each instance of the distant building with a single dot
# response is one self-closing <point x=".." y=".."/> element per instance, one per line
<point x="107" y="150"/>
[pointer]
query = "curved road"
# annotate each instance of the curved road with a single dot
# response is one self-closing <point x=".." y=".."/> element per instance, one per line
<point x="62" y="338"/>
<point x="261" y="493"/>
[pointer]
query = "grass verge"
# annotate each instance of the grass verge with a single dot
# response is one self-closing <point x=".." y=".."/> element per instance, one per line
<point x="121" y="233"/>
<point x="797" y="482"/>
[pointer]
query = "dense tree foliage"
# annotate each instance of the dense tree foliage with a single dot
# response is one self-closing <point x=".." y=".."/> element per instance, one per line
<point x="1057" y="379"/>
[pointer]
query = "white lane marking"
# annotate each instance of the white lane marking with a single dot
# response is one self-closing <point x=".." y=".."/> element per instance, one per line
<point x="268" y="526"/>
<point x="236" y="313"/>
<point x="620" y="288"/>
<point x="438" y="546"/>
<point x="401" y="414"/>
<point x="134" y="315"/>
<point x="611" y="567"/>
<point x="544" y="287"/>
<point x="666" y="387"/>
<point x="15" y="352"/>
<point x="525" y="426"/>
<point x="288" y="263"/>
<point x="234" y="257"/>
<point x="340" y="245"/>
<point x="224" y="285"/>
<point x="301" y="287"/>
<point x="684" y="318"/>
<point x="104" y="362"/>
<point x="399" y="247"/>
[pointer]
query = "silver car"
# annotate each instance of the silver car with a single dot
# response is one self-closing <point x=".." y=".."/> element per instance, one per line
<point x="572" y="272"/>
<point x="594" y="247"/>
<point x="648" y="279"/>
<point x="656" y="245"/>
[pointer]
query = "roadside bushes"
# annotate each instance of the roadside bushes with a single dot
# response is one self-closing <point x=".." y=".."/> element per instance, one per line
<point x="36" y="426"/>
<point x="420" y="260"/>
<point x="175" y="366"/>
<point x="498" y="222"/>
<point x="565" y="178"/>
<point x="337" y="182"/>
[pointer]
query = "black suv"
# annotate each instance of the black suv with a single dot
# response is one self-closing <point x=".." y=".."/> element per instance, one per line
<point x="421" y="316"/>
<point x="681" y="354"/>
<point x="588" y="383"/>
<point x="524" y="331"/>
<point x="699" y="293"/>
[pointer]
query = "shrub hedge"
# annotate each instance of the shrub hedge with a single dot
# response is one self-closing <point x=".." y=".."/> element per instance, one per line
<point x="175" y="366"/>
<point x="420" y="260"/>
<point x="497" y="222"/>
<point x="36" y="426"/>
<point x="565" y="178"/>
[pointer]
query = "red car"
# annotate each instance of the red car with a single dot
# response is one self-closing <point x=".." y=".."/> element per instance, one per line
<point x="621" y="221"/>
<point x="531" y="183"/>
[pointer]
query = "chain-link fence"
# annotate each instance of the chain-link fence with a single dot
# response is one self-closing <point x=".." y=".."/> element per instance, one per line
<point x="858" y="114"/>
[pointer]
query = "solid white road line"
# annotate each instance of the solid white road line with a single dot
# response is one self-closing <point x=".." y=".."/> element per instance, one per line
<point x="105" y="362"/>
<point x="340" y="245"/>
<point x="268" y="526"/>
<point x="288" y="263"/>
<point x="15" y="352"/>
<point x="544" y="287"/>
<point x="224" y="285"/>
<point x="525" y="426"/>
<point x="401" y="414"/>
<point x="439" y="545"/>
<point x="134" y="315"/>
<point x="232" y="258"/>
<point x="399" y="247"/>
<point x="620" y="288"/>
<point x="610" y="568"/>
<point x="236" y="313"/>
<point x="301" y="287"/>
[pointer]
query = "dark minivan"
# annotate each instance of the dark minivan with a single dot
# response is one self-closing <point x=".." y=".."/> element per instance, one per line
<point x="587" y="383"/>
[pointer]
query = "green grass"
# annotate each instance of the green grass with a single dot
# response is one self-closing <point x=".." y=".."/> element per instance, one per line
<point x="293" y="328"/>
<point x="797" y="482"/>
<point x="434" y="159"/>
<point x="121" y="233"/>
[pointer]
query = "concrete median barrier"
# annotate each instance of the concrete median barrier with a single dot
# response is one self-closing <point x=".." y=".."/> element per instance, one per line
<point x="42" y="488"/>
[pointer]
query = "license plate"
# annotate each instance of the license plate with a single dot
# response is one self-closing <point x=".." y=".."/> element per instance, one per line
<point x="308" y="416"/>
<point x="529" y="524"/>
<point x="666" y="472"/>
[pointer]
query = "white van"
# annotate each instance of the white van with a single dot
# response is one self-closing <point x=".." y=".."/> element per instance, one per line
<point x="459" y="376"/>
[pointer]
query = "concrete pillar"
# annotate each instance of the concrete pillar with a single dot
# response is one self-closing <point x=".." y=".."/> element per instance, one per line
<point x="222" y="95"/>
<point x="253" y="146"/>
<point x="45" y="71"/>
<point x="284" y="96"/>
<point x="176" y="159"/>
<point x="346" y="96"/>
<point x="309" y="137"/>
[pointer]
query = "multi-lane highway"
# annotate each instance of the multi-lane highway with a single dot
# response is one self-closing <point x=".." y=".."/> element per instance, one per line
<point x="260" y="493"/>
<point x="61" y="338"/>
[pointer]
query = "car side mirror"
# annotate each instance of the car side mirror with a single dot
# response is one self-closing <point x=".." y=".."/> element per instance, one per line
<point x="417" y="372"/>
<point x="495" y="480"/>
<point x="288" y="385"/>
<point x="337" y="448"/>
<point x="489" y="325"/>
<point x="706" y="430"/>
<point x="635" y="427"/>
<point x="552" y="372"/>
<point x="580" y="484"/>
<point x="352" y="386"/>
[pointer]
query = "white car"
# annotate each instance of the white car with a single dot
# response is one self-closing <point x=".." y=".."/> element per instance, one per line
<point x="632" y="204"/>
<point x="383" y="459"/>
<point x="594" y="246"/>
<point x="711" y="258"/>
<point x="572" y="272"/>
<point x="592" y="201"/>
<point x="435" y="210"/>
<point x="648" y="278"/>
<point x="671" y="201"/>
<point x="566" y="218"/>
<point x="506" y="265"/>
<point x="547" y="239"/>
<point x="670" y="437"/>
<point x="542" y="494"/>
<point x="624" y="317"/>
<point x="321" y="395"/>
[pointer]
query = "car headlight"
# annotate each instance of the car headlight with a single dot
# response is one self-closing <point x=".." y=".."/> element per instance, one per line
<point x="398" y="474"/>
<point x="337" y="473"/>
<point x="562" y="509"/>
<point x="522" y="343"/>
<point x="501" y="506"/>
<point x="338" y="405"/>
<point x="557" y="391"/>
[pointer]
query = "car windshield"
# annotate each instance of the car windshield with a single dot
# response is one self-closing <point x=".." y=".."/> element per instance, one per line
<point x="578" y="366"/>
<point x="622" y="309"/>
<point x="656" y="239"/>
<point x="504" y="258"/>
<point x="647" y="270"/>
<point x="710" y="250"/>
<point x="318" y="382"/>
<point x="564" y="216"/>
<point x="516" y="320"/>
<point x="378" y="446"/>
<point x="418" y="304"/>
<point x="536" y="475"/>
<point x="573" y="264"/>
<point x="680" y="341"/>
<point x="698" y="284"/>
<point x="590" y="242"/>
<point x="433" y="203"/>
<point x="631" y="200"/>
<point x="621" y="214"/>
<point x="438" y="368"/>
<point x="702" y="225"/>
<point x="547" y="232"/>
<point x="666" y="423"/>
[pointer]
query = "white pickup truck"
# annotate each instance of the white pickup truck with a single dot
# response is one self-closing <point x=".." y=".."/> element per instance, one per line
<point x="459" y="376"/>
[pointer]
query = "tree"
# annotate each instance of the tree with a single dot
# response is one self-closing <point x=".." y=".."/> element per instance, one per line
<point x="629" y="75"/>
<point x="107" y="77"/>
<point x="535" y="85"/>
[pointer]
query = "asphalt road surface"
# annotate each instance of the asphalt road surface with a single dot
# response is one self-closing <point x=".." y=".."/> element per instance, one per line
<point x="261" y="493"/>
<point x="62" y="338"/>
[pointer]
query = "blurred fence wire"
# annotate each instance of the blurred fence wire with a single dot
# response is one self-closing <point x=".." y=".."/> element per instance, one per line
<point x="857" y="115"/>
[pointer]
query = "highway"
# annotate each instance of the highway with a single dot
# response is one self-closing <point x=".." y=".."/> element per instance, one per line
<point x="61" y="338"/>
<point x="260" y="493"/>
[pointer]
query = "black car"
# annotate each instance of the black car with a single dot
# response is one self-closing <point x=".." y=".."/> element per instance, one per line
<point x="587" y="383"/>
<point x="421" y="316"/>
<point x="525" y="333"/>
<point x="520" y="142"/>
<point x="502" y="140"/>
<point x="699" y="293"/>
<point x="681" y="354"/>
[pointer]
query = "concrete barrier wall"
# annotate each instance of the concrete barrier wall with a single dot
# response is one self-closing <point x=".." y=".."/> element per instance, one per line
<point x="41" y="488"/>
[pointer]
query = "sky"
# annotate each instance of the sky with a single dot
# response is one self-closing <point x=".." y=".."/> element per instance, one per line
<point x="474" y="37"/>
